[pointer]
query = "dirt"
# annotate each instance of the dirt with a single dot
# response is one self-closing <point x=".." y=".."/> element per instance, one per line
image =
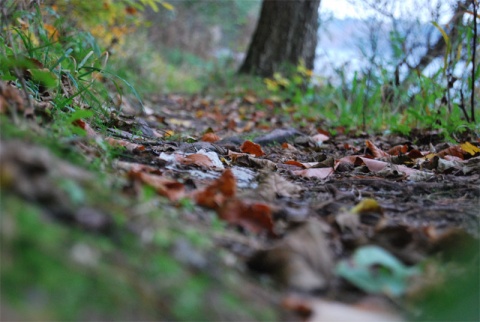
<point x="298" y="200"/>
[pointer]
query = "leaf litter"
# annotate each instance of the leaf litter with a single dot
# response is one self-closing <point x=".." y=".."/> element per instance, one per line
<point x="332" y="219"/>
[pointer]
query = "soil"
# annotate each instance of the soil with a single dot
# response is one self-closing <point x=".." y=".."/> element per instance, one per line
<point x="298" y="200"/>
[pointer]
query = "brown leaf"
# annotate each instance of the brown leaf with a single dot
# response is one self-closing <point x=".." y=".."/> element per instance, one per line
<point x="302" y="261"/>
<point x="169" y="188"/>
<point x="10" y="96"/>
<point x="376" y="152"/>
<point x="129" y="145"/>
<point x="210" y="137"/>
<point x="215" y="195"/>
<point x="398" y="149"/>
<point x="137" y="167"/>
<point x="255" y="217"/>
<point x="274" y="186"/>
<point x="196" y="159"/>
<point x="452" y="151"/>
<point x="252" y="148"/>
<point x="321" y="173"/>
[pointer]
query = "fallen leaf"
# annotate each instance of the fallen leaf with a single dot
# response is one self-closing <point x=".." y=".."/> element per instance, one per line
<point x="367" y="205"/>
<point x="254" y="217"/>
<point x="470" y="148"/>
<point x="374" y="270"/>
<point x="210" y="137"/>
<point x="216" y="194"/>
<point x="295" y="163"/>
<point x="169" y="188"/>
<point x="454" y="150"/>
<point x="137" y="167"/>
<point x="302" y="261"/>
<point x="274" y="186"/>
<point x="376" y="152"/>
<point x="128" y="145"/>
<point x="252" y="148"/>
<point x="398" y="150"/>
<point x="321" y="173"/>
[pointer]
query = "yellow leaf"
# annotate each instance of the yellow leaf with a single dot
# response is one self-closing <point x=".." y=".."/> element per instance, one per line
<point x="366" y="205"/>
<point x="168" y="133"/>
<point x="470" y="148"/>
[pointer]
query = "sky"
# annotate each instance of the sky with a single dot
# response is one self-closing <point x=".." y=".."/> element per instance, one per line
<point x="343" y="9"/>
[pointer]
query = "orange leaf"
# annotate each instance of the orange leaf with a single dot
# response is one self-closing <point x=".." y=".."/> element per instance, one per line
<point x="215" y="195"/>
<point x="252" y="148"/>
<point x="455" y="151"/>
<point x="295" y="163"/>
<point x="376" y="152"/>
<point x="255" y="217"/>
<point x="210" y="137"/>
<point x="398" y="149"/>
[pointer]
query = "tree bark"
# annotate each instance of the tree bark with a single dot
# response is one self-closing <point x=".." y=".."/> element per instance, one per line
<point x="286" y="32"/>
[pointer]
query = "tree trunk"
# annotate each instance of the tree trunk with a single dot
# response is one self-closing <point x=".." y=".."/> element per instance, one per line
<point x="286" y="32"/>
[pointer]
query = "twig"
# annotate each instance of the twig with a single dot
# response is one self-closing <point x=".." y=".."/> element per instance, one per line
<point x="474" y="49"/>
<point x="462" y="106"/>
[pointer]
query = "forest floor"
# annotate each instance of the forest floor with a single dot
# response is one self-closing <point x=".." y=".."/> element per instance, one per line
<point x="216" y="194"/>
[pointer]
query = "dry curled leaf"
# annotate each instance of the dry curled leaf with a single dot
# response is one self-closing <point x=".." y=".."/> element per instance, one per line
<point x="216" y="194"/>
<point x="376" y="151"/>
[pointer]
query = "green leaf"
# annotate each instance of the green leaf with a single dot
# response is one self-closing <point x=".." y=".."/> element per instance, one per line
<point x="44" y="77"/>
<point x="374" y="270"/>
<point x="79" y="114"/>
<point x="447" y="41"/>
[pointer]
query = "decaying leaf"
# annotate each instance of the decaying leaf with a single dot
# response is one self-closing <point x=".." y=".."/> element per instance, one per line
<point x="216" y="194"/>
<point x="454" y="150"/>
<point x="252" y="148"/>
<point x="253" y="216"/>
<point x="273" y="186"/>
<point x="376" y="151"/>
<point x="301" y="261"/>
<point x="320" y="173"/>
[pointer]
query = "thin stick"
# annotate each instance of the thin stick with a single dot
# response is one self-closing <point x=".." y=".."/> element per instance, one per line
<point x="474" y="49"/>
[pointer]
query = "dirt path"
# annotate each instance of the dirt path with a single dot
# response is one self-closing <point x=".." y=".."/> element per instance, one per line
<point x="341" y="222"/>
